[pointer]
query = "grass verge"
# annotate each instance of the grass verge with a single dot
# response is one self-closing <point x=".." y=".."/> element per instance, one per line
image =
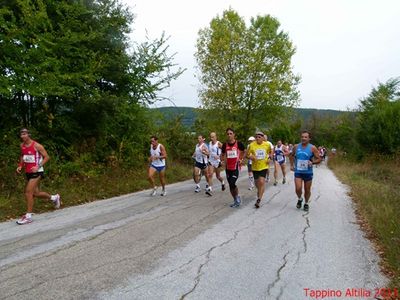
<point x="77" y="190"/>
<point x="375" y="190"/>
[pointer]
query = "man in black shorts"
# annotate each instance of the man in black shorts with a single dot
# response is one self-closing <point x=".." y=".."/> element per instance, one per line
<point x="232" y="156"/>
<point x="32" y="159"/>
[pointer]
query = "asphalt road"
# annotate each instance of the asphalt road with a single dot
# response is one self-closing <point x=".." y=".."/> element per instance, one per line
<point x="191" y="246"/>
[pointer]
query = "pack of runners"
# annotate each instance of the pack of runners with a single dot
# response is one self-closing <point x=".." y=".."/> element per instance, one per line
<point x="209" y="159"/>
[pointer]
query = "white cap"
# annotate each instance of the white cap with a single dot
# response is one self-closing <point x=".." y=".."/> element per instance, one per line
<point x="252" y="138"/>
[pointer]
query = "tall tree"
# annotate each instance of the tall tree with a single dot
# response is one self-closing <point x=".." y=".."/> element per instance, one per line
<point x="69" y="69"/>
<point x="246" y="70"/>
<point x="379" y="118"/>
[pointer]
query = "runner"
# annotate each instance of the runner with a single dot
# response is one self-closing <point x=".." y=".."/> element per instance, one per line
<point x="33" y="158"/>
<point x="302" y="158"/>
<point x="232" y="157"/>
<point x="280" y="153"/>
<point x="259" y="151"/>
<point x="214" y="162"/>
<point x="270" y="156"/>
<point x="290" y="148"/>
<point x="201" y="162"/>
<point x="249" y="162"/>
<point x="157" y="158"/>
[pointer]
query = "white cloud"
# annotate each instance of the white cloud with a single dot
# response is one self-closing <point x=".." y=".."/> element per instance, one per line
<point x="343" y="47"/>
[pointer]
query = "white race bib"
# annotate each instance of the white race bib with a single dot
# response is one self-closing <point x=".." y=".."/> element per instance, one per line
<point x="260" y="154"/>
<point x="30" y="159"/>
<point x="232" y="153"/>
<point x="279" y="158"/>
<point x="302" y="165"/>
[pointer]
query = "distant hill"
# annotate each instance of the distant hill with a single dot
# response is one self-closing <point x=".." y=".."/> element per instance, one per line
<point x="190" y="113"/>
<point x="307" y="113"/>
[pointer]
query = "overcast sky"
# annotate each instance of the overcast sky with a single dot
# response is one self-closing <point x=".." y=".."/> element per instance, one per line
<point x="344" y="47"/>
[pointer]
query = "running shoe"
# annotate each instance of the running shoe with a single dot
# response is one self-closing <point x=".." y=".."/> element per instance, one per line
<point x="234" y="204"/>
<point x="223" y="186"/>
<point x="209" y="191"/>
<point x="197" y="189"/>
<point x="154" y="192"/>
<point x="164" y="193"/>
<point x="257" y="204"/>
<point x="24" y="220"/>
<point x="57" y="201"/>
<point x="299" y="202"/>
<point x="306" y="207"/>
<point x="275" y="183"/>
<point x="251" y="188"/>
<point x="284" y="180"/>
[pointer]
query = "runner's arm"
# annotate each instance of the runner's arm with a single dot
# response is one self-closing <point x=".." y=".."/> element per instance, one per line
<point x="291" y="157"/>
<point x="44" y="154"/>
<point x="223" y="149"/>
<point x="204" y="150"/>
<point x="285" y="151"/>
<point x="317" y="158"/>
<point x="163" y="152"/>
<point x="242" y="150"/>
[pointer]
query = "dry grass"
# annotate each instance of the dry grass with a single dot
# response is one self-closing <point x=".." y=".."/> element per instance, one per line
<point x="375" y="188"/>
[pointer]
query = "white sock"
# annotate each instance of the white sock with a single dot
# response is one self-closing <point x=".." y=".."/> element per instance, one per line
<point x="53" y="197"/>
<point x="28" y="215"/>
<point x="251" y="181"/>
<point x="198" y="185"/>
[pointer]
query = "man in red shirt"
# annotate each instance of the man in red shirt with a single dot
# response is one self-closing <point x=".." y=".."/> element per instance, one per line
<point x="33" y="157"/>
<point x="232" y="156"/>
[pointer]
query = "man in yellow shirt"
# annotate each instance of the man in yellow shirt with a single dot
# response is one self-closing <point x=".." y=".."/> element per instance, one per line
<point x="258" y="152"/>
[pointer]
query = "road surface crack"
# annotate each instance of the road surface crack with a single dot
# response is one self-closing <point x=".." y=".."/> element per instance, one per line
<point x="208" y="259"/>
<point x="305" y="246"/>
<point x="278" y="276"/>
<point x="161" y="244"/>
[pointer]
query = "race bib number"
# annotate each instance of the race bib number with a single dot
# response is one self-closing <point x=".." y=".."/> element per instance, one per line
<point x="29" y="159"/>
<point x="280" y="158"/>
<point x="232" y="153"/>
<point x="302" y="165"/>
<point x="260" y="154"/>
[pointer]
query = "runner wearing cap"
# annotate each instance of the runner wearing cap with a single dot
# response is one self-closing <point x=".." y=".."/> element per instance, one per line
<point x="258" y="152"/>
<point x="33" y="158"/>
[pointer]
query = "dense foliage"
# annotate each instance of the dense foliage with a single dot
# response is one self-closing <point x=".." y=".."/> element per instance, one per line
<point x="70" y="73"/>
<point x="245" y="70"/>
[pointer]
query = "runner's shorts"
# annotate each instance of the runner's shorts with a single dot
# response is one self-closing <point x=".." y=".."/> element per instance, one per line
<point x="201" y="166"/>
<point x="34" y="175"/>
<point x="261" y="173"/>
<point x="303" y="176"/>
<point x="232" y="176"/>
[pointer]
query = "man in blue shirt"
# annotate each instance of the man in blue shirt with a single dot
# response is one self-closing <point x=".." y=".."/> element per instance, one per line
<point x="302" y="159"/>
